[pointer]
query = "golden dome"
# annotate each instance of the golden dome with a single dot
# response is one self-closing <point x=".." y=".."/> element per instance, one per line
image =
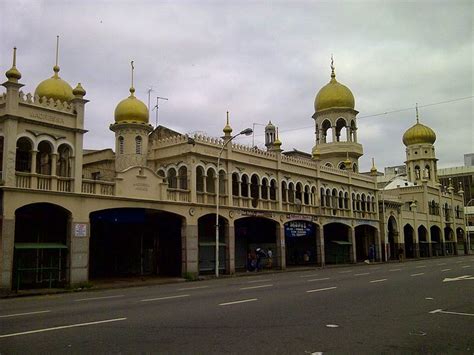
<point x="55" y="88"/>
<point x="419" y="134"/>
<point x="13" y="74"/>
<point x="79" y="90"/>
<point x="131" y="110"/>
<point x="227" y="129"/>
<point x="334" y="95"/>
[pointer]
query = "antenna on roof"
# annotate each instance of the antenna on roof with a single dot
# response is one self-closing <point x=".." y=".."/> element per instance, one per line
<point x="157" y="106"/>
<point x="150" y="90"/>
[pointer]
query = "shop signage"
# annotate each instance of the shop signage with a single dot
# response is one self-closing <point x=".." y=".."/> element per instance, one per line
<point x="80" y="230"/>
<point x="295" y="229"/>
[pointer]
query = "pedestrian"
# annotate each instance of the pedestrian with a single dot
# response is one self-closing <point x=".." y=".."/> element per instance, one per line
<point x="269" y="258"/>
<point x="251" y="260"/>
<point x="400" y="254"/>
<point x="260" y="254"/>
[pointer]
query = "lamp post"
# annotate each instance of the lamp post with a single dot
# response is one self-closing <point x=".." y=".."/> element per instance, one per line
<point x="247" y="132"/>
<point x="383" y="214"/>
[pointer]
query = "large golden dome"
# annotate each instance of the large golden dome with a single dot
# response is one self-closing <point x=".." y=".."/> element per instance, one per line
<point x="334" y="95"/>
<point x="55" y="88"/>
<point x="131" y="110"/>
<point x="419" y="134"/>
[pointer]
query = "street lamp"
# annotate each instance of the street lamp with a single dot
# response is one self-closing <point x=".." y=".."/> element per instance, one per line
<point x="246" y="132"/>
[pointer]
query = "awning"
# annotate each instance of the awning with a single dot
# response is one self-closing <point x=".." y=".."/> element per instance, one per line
<point x="40" y="246"/>
<point x="341" y="242"/>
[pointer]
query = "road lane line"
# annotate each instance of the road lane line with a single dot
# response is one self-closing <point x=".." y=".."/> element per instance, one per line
<point x="255" y="281"/>
<point x="163" y="298"/>
<point x="459" y="262"/>
<point x="322" y="289"/>
<point x="345" y="272"/>
<point x="420" y="266"/>
<point x="254" y="287"/>
<point x="237" y="302"/>
<point x="321" y="279"/>
<point x="62" y="327"/>
<point x="421" y="273"/>
<point x="466" y="266"/>
<point x="441" y="264"/>
<point x="380" y="280"/>
<point x="445" y="270"/>
<point x="362" y="274"/>
<point x="192" y="288"/>
<point x="391" y="270"/>
<point x="312" y="275"/>
<point x="22" y="314"/>
<point x="97" y="298"/>
<point x="449" y="312"/>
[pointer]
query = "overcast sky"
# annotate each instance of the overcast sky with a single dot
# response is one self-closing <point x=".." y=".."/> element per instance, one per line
<point x="260" y="60"/>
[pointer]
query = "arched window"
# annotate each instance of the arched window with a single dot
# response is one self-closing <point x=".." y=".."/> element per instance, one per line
<point x="254" y="189"/>
<point x="43" y="158"/>
<point x="120" y="144"/>
<point x="283" y="191"/>
<point x="427" y="172"/>
<point x="200" y="179"/>
<point x="291" y="192"/>
<point x="183" y="178"/>
<point x="353" y="202"/>
<point x="341" y="200"/>
<point x="417" y="173"/>
<point x="358" y="202"/>
<point x="63" y="163"/>
<point x="329" y="165"/>
<point x="341" y="132"/>
<point x="322" y="197"/>
<point x="307" y="194"/>
<point x="138" y="145"/>
<point x="172" y="180"/>
<point x="23" y="155"/>
<point x="299" y="192"/>
<point x="342" y="166"/>
<point x="273" y="190"/>
<point x="326" y="130"/>
<point x="222" y="184"/>
<point x="328" y="198"/>
<point x="210" y="181"/>
<point x="235" y="184"/>
<point x="264" y="192"/>
<point x="244" y="186"/>
<point x="346" y="200"/>
<point x="363" y="204"/>
<point x="355" y="168"/>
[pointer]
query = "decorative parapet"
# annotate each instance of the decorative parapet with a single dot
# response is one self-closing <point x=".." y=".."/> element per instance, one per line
<point x="44" y="102"/>
<point x="299" y="161"/>
<point x="334" y="171"/>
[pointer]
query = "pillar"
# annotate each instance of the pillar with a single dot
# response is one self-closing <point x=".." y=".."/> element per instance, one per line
<point x="230" y="247"/>
<point x="352" y="239"/>
<point x="189" y="247"/>
<point x="79" y="236"/>
<point x="320" y="257"/>
<point x="378" y="246"/>
<point x="281" y="249"/>
<point x="7" y="249"/>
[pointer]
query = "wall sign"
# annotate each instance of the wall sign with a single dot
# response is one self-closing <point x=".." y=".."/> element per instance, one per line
<point x="80" y="230"/>
<point x="295" y="229"/>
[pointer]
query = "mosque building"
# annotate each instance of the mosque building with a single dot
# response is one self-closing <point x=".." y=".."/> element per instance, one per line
<point x="148" y="207"/>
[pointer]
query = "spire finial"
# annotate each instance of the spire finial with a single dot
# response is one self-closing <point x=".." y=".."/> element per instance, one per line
<point x="14" y="57"/>
<point x="132" y="89"/>
<point x="227" y="117"/>
<point x="373" y="162"/>
<point x="56" y="65"/>
<point x="373" y="169"/>
<point x="417" y="117"/>
<point x="333" y="75"/>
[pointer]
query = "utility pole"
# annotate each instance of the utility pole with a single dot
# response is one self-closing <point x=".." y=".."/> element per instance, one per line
<point x="150" y="90"/>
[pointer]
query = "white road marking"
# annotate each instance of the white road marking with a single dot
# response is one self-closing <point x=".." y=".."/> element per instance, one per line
<point x="321" y="279"/>
<point x="236" y="302"/>
<point x="441" y="264"/>
<point x="62" y="327"/>
<point x="420" y="266"/>
<point x="466" y="266"/>
<point x="255" y="281"/>
<point x="312" y="275"/>
<point x="345" y="272"/>
<point x="448" y="312"/>
<point x="381" y="280"/>
<point x="253" y="287"/>
<point x="362" y="274"/>
<point x="429" y="298"/>
<point x="459" y="278"/>
<point x="421" y="273"/>
<point x="395" y="270"/>
<point x="163" y="298"/>
<point x="97" y="298"/>
<point x="445" y="270"/>
<point x="322" y="289"/>
<point x="22" y="314"/>
<point x="332" y="326"/>
<point x="192" y="288"/>
<point x="459" y="262"/>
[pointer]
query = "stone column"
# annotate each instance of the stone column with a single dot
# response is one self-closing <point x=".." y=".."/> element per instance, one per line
<point x="352" y="239"/>
<point x="79" y="237"/>
<point x="230" y="247"/>
<point x="378" y="246"/>
<point x="348" y="134"/>
<point x="33" y="161"/>
<point x="428" y="238"/>
<point x="281" y="248"/>
<point x="333" y="133"/>
<point x="320" y="257"/>
<point x="189" y="247"/>
<point x="7" y="249"/>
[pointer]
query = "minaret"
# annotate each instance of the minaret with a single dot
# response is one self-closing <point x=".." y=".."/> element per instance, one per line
<point x="336" y="125"/>
<point x="270" y="135"/>
<point x="227" y="130"/>
<point x="420" y="153"/>
<point x="131" y="129"/>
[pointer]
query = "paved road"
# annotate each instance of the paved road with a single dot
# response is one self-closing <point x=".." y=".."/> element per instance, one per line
<point x="422" y="306"/>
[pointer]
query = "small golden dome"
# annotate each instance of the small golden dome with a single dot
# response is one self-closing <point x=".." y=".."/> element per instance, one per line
<point x="316" y="154"/>
<point x="55" y="88"/>
<point x="79" y="90"/>
<point x="334" y="95"/>
<point x="227" y="129"/>
<point x="13" y="74"/>
<point x="419" y="134"/>
<point x="131" y="110"/>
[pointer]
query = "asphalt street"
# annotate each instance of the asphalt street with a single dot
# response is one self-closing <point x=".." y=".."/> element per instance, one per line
<point x="423" y="306"/>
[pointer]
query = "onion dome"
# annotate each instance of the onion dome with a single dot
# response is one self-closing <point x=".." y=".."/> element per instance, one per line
<point x="79" y="90"/>
<point x="419" y="134"/>
<point x="131" y="110"/>
<point x="316" y="154"/>
<point x="55" y="88"/>
<point x="13" y="74"/>
<point x="270" y="126"/>
<point x="334" y="95"/>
